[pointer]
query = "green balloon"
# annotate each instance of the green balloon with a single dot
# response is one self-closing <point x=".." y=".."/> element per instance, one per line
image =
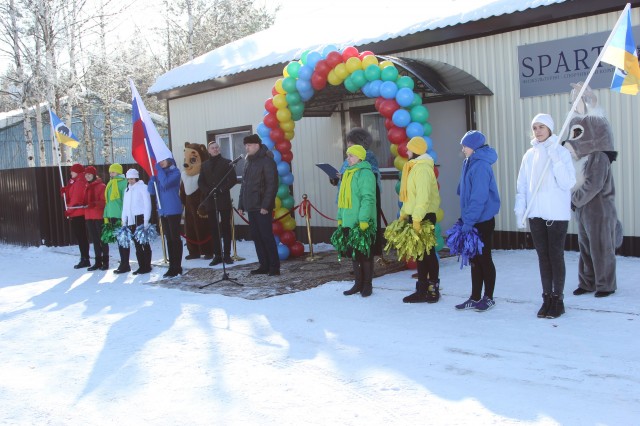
<point x="303" y="57"/>
<point x="372" y="72"/>
<point x="390" y="73"/>
<point x="349" y="85"/>
<point x="293" y="98"/>
<point x="398" y="183"/>
<point x="289" y="84"/>
<point x="419" y="114"/>
<point x="358" y="78"/>
<point x="417" y="100"/>
<point x="297" y="116"/>
<point x="296" y="109"/>
<point x="283" y="191"/>
<point x="405" y="81"/>
<point x="427" y="129"/>
<point x="293" y="69"/>
<point x="287" y="202"/>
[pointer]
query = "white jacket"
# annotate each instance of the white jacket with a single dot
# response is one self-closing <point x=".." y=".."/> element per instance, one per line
<point x="136" y="201"/>
<point x="553" y="200"/>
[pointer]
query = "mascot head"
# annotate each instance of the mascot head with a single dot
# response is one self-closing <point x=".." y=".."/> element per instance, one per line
<point x="194" y="155"/>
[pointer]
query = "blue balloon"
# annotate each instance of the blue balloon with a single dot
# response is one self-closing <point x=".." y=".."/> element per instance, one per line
<point x="305" y="72"/>
<point x="277" y="238"/>
<point x="374" y="88"/>
<point x="268" y="143"/>
<point x="283" y="252"/>
<point x="277" y="157"/>
<point x="401" y="117"/>
<point x="433" y="155"/>
<point x="414" y="129"/>
<point x="429" y="142"/>
<point x="328" y="49"/>
<point x="283" y="168"/>
<point x="312" y="60"/>
<point x="303" y="86"/>
<point x="365" y="89"/>
<point x="388" y="89"/>
<point x="287" y="179"/>
<point x="306" y="95"/>
<point x="404" y="97"/>
<point x="263" y="130"/>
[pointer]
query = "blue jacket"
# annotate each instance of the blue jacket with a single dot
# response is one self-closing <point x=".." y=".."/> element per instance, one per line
<point x="479" y="198"/>
<point x="168" y="182"/>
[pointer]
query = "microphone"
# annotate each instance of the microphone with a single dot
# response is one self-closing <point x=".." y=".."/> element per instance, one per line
<point x="240" y="157"/>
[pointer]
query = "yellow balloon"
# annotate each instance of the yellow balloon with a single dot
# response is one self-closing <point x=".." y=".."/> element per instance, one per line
<point x="333" y="79"/>
<point x="399" y="161"/>
<point x="280" y="100"/>
<point x="279" y="212"/>
<point x="283" y="114"/>
<point x="287" y="126"/>
<point x="278" y="203"/>
<point x="385" y="64"/>
<point x="278" y="86"/>
<point x="393" y="148"/>
<point x="439" y="215"/>
<point x="288" y="135"/>
<point x="353" y="63"/>
<point x="285" y="72"/>
<point x="369" y="60"/>
<point x="289" y="224"/>
<point x="341" y="71"/>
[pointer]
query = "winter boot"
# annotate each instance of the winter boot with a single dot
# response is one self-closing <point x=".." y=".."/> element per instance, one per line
<point x="357" y="285"/>
<point x="96" y="265"/>
<point x="84" y="263"/>
<point x="105" y="262"/>
<point x="556" y="306"/>
<point x="433" y="291"/>
<point x="420" y="296"/>
<point x="546" y="301"/>
<point x="367" y="277"/>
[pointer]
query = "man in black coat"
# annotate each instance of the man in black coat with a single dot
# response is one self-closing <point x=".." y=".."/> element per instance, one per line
<point x="212" y="173"/>
<point x="257" y="197"/>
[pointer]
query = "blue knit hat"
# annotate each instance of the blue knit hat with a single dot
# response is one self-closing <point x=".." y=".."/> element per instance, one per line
<point x="473" y="139"/>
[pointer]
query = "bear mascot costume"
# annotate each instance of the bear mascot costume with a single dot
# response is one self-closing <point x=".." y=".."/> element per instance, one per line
<point x="196" y="229"/>
<point x="593" y="197"/>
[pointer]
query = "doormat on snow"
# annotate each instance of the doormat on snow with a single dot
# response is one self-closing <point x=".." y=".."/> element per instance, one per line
<point x="297" y="274"/>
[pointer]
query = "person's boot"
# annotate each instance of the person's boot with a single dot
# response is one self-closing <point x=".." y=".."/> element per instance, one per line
<point x="105" y="262"/>
<point x="420" y="295"/>
<point x="96" y="265"/>
<point x="367" y="277"/>
<point x="357" y="285"/>
<point x="556" y="307"/>
<point x="433" y="291"/>
<point x="546" y="301"/>
<point x="84" y="263"/>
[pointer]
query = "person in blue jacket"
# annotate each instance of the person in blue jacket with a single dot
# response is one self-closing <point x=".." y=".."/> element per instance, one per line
<point x="167" y="182"/>
<point x="479" y="203"/>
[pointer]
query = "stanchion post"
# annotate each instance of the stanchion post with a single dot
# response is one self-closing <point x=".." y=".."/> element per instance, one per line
<point x="305" y="202"/>
<point x="164" y="249"/>
<point x="235" y="256"/>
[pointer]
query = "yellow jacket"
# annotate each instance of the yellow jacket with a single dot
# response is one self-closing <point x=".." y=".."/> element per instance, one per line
<point x="422" y="189"/>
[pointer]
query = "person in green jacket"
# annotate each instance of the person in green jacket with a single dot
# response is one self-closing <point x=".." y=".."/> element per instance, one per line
<point x="113" y="195"/>
<point x="357" y="217"/>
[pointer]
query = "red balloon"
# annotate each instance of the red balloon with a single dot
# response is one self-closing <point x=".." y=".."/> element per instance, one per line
<point x="349" y="52"/>
<point x="283" y="146"/>
<point x="269" y="106"/>
<point x="271" y="120"/>
<point x="388" y="122"/>
<point x="274" y="91"/>
<point x="333" y="58"/>
<point x="436" y="170"/>
<point x="322" y="68"/>
<point x="296" y="249"/>
<point x="388" y="107"/>
<point x="277" y="135"/>
<point x="276" y="227"/>
<point x="287" y="238"/>
<point x="318" y="82"/>
<point x="397" y="135"/>
<point x="365" y="53"/>
<point x="287" y="156"/>
<point x="379" y="101"/>
<point x="411" y="264"/>
<point x="402" y="150"/>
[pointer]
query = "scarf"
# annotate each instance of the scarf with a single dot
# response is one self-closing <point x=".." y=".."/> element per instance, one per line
<point x="406" y="169"/>
<point x="344" y="196"/>
<point x="113" y="186"/>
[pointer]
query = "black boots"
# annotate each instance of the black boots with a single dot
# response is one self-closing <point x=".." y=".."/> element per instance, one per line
<point x="546" y="301"/>
<point x="357" y="285"/>
<point x="96" y="265"/>
<point x="105" y="262"/>
<point x="84" y="263"/>
<point x="428" y="292"/>
<point x="556" y="306"/>
<point x="363" y="273"/>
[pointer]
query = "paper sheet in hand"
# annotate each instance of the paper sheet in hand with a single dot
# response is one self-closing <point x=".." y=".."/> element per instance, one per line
<point x="329" y="170"/>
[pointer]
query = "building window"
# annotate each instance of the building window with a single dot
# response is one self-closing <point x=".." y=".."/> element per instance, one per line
<point x="374" y="123"/>
<point x="231" y="144"/>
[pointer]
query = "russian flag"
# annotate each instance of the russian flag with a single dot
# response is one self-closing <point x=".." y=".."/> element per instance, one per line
<point x="148" y="154"/>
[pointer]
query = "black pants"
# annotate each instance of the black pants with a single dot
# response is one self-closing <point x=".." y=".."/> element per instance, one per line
<point x="548" y="239"/>
<point x="262" y="235"/>
<point x="429" y="267"/>
<point x="100" y="249"/>
<point x="143" y="251"/>
<point x="225" y="229"/>
<point x="171" y="229"/>
<point x="483" y="271"/>
<point x="124" y="252"/>
<point x="79" y="230"/>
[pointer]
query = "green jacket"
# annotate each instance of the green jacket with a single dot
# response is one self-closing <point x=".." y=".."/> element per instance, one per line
<point x="113" y="208"/>
<point x="363" y="197"/>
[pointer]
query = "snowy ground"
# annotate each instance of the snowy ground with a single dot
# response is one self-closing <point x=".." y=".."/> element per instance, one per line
<point x="82" y="348"/>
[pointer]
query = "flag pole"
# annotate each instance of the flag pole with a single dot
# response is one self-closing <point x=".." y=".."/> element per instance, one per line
<point x="155" y="186"/>
<point x="573" y="108"/>
<point x="54" y="138"/>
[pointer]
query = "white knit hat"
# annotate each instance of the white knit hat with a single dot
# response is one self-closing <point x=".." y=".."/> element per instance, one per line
<point x="133" y="174"/>
<point x="544" y="119"/>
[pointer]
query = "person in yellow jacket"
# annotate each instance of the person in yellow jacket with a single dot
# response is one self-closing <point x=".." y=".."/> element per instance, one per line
<point x="420" y="201"/>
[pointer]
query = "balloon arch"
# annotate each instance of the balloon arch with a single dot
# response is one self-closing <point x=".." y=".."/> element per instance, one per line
<point x="405" y="117"/>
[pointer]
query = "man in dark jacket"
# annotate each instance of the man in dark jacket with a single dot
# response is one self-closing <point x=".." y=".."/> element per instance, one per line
<point x="257" y="197"/>
<point x="215" y="174"/>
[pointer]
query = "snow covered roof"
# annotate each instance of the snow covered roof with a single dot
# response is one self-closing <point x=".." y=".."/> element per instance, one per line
<point x="338" y="23"/>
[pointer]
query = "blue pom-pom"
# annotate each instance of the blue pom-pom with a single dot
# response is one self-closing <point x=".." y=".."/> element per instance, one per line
<point x="145" y="234"/>
<point x="466" y="245"/>
<point x="123" y="236"/>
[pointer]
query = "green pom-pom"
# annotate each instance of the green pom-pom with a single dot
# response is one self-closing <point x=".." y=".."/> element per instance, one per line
<point x="339" y="241"/>
<point x="108" y="234"/>
<point x="360" y="240"/>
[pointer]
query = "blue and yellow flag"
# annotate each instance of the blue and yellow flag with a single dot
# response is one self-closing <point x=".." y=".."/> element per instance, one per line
<point x="621" y="53"/>
<point x="62" y="132"/>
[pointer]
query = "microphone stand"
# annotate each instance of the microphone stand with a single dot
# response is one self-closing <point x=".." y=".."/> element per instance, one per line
<point x="214" y="192"/>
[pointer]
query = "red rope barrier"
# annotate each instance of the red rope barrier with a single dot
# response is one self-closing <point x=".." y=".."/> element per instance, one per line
<point x="198" y="243"/>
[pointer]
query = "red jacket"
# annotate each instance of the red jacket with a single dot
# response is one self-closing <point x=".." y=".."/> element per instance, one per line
<point x="75" y="192"/>
<point x="94" y="199"/>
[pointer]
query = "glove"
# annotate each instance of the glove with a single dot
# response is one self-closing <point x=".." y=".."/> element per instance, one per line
<point x="333" y="181"/>
<point x="106" y="220"/>
<point x="364" y="225"/>
<point x="339" y="222"/>
<point x="417" y="226"/>
<point x="403" y="217"/>
<point x="62" y="190"/>
<point x="466" y="228"/>
<point x="552" y="152"/>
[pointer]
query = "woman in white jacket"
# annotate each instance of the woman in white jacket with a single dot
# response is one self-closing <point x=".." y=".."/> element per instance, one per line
<point x="549" y="210"/>
<point x="136" y="210"/>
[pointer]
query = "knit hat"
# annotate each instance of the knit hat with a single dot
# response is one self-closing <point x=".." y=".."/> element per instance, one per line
<point x="417" y="145"/>
<point x="360" y="136"/>
<point x="473" y="139"/>
<point x="77" y="168"/>
<point x="115" y="167"/>
<point x="358" y="151"/>
<point x="91" y="170"/>
<point x="544" y="119"/>
<point x="252" y="139"/>
<point x="133" y="174"/>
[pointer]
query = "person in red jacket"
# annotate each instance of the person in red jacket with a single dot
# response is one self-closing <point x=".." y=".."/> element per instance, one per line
<point x="74" y="192"/>
<point x="93" y="216"/>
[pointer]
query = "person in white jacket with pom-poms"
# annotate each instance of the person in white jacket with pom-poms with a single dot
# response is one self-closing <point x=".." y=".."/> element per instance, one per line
<point x="136" y="210"/>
